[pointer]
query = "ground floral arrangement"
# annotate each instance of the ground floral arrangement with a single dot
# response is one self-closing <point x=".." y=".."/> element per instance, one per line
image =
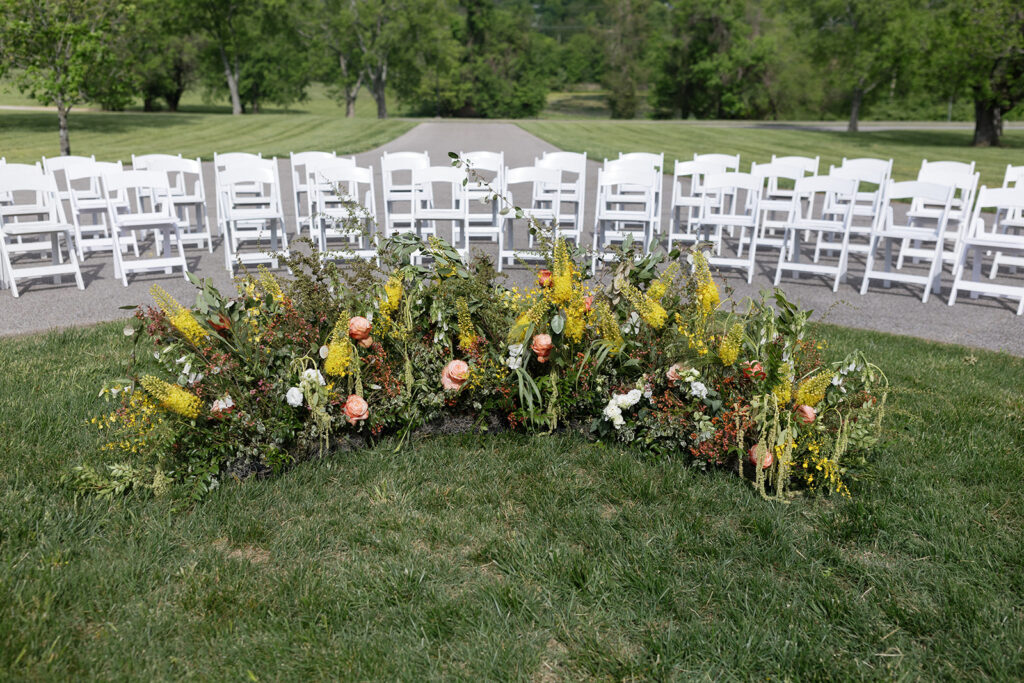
<point x="655" y="360"/>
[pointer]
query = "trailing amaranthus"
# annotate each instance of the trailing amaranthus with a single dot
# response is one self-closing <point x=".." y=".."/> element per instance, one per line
<point x="729" y="349"/>
<point x="339" y="349"/>
<point x="660" y="286"/>
<point x="172" y="397"/>
<point x="467" y="332"/>
<point x="812" y="390"/>
<point x="179" y="316"/>
<point x="649" y="310"/>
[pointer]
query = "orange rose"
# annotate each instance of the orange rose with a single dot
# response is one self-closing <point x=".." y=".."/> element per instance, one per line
<point x="356" y="409"/>
<point x="359" y="328"/>
<point x="806" y="414"/>
<point x="454" y="375"/>
<point x="366" y="343"/>
<point x="542" y="347"/>
<point x="672" y="374"/>
<point x="755" y="455"/>
<point x="544" y="278"/>
<point x="588" y="302"/>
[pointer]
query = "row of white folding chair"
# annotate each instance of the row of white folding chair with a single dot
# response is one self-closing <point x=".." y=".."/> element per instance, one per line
<point x="537" y="191"/>
<point x="35" y="225"/>
<point x="1012" y="221"/>
<point x="997" y="239"/>
<point x="343" y="196"/>
<point x="572" y="189"/>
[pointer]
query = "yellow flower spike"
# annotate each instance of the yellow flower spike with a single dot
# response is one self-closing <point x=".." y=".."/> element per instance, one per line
<point x="729" y="349"/>
<point x="172" y="397"/>
<point x="812" y="390"/>
<point x="467" y="333"/>
<point x="650" y="311"/>
<point x="339" y="349"/>
<point x="179" y="316"/>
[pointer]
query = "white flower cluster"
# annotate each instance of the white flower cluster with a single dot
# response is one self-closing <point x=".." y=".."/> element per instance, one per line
<point x="697" y="388"/>
<point x="310" y="379"/>
<point x="618" y="402"/>
<point x="515" y="356"/>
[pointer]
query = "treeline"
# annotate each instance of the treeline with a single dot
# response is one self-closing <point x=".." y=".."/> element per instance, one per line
<point x="745" y="59"/>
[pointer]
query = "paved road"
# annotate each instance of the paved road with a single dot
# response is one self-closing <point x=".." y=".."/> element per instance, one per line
<point x="983" y="323"/>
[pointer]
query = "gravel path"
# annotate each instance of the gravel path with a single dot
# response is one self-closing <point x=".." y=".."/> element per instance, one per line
<point x="984" y="323"/>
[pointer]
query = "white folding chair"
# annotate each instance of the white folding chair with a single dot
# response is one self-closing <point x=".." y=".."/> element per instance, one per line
<point x="625" y="204"/>
<point x="302" y="166"/>
<point x="728" y="162"/>
<point x="88" y="197"/>
<point x="33" y="222"/>
<point x="488" y="178"/>
<point x="537" y="191"/>
<point x="345" y="197"/>
<point x="922" y="230"/>
<point x="396" y="184"/>
<point x="964" y="180"/>
<point x="249" y="200"/>
<point x="813" y="212"/>
<point x="867" y="202"/>
<point x="687" y="191"/>
<point x="776" y="201"/>
<point x="56" y="166"/>
<point x="721" y="210"/>
<point x="141" y="201"/>
<point x="1013" y="221"/>
<point x="429" y="187"/>
<point x="232" y="161"/>
<point x="571" y="192"/>
<point x="658" y="162"/>
<point x="188" y="190"/>
<point x="985" y="239"/>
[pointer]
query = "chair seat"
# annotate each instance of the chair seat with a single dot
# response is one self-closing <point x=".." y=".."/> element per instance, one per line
<point x="35" y="228"/>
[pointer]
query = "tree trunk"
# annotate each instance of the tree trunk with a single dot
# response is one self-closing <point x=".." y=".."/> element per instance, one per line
<point x="62" y="119"/>
<point x="858" y="98"/>
<point x="173" y="98"/>
<point x="350" y="105"/>
<point x="378" y="83"/>
<point x="232" y="78"/>
<point x="149" y="102"/>
<point x="988" y="124"/>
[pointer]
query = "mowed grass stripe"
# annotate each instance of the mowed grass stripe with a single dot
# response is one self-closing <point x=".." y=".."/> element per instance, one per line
<point x="26" y="136"/>
<point x="605" y="139"/>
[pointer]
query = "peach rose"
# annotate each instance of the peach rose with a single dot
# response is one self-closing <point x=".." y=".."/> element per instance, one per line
<point x="544" y="278"/>
<point x="454" y="375"/>
<point x="542" y="347"/>
<point x="356" y="409"/>
<point x="806" y="414"/>
<point x="754" y="455"/>
<point x="367" y="342"/>
<point x="359" y="328"/>
<point x="588" y="302"/>
<point x="673" y="374"/>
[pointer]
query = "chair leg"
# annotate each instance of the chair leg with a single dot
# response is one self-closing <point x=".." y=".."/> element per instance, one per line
<point x="74" y="260"/>
<point x="869" y="264"/>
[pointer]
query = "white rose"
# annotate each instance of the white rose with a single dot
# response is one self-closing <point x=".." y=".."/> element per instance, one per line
<point x="612" y="412"/>
<point x="514" y="363"/>
<point x="313" y="375"/>
<point x="515" y="350"/>
<point x="698" y="389"/>
<point x="618" y="422"/>
<point x="634" y="396"/>
<point x="294" y="397"/>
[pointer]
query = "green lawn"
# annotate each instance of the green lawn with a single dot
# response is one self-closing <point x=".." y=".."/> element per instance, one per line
<point x="680" y="140"/>
<point x="520" y="557"/>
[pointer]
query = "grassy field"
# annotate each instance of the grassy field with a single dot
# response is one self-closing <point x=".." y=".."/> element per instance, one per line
<point x="680" y="140"/>
<point x="513" y="557"/>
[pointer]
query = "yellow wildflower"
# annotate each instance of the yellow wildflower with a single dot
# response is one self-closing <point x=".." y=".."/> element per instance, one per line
<point x="783" y="391"/>
<point x="729" y="349"/>
<point x="339" y="349"/>
<point x="608" y="326"/>
<point x="172" y="397"/>
<point x="269" y="284"/>
<point x="562" y="289"/>
<point x="812" y="390"/>
<point x="649" y="310"/>
<point x="660" y="286"/>
<point x="393" y="295"/>
<point x="179" y="316"/>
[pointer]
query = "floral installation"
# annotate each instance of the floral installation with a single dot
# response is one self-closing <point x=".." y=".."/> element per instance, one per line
<point x="654" y="359"/>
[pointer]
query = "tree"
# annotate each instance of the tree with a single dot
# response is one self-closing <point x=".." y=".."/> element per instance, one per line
<point x="626" y="31"/>
<point x="713" y="63"/>
<point x="864" y="43"/>
<point x="61" y="48"/>
<point x="979" y="49"/>
<point x="163" y="51"/>
<point x="254" y="45"/>
<point x="329" y="27"/>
